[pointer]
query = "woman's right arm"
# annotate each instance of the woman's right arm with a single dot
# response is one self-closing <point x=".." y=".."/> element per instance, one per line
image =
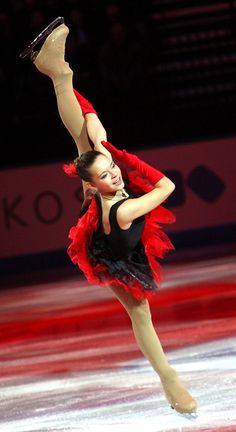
<point x="133" y="208"/>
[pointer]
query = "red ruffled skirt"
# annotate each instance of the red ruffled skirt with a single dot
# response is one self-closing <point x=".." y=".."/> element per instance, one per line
<point x="138" y="272"/>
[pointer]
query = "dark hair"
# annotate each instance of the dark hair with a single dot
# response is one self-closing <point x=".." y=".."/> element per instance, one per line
<point x="84" y="162"/>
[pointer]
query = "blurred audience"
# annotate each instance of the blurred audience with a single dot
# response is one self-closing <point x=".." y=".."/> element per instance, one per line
<point x="104" y="48"/>
<point x="126" y="65"/>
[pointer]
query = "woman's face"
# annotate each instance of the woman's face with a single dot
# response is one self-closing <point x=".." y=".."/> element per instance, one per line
<point x="106" y="175"/>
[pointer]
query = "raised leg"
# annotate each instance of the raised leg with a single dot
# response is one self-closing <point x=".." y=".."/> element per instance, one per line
<point x="149" y="344"/>
<point x="83" y="125"/>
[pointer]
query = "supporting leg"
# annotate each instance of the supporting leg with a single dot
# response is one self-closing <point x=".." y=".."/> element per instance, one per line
<point x="149" y="344"/>
<point x="144" y="332"/>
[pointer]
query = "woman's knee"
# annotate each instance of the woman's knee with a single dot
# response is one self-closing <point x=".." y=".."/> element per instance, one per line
<point x="140" y="313"/>
<point x="138" y="310"/>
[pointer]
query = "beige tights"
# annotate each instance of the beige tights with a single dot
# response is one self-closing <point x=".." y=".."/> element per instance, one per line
<point x="71" y="114"/>
<point x="148" y="342"/>
<point x="51" y="62"/>
<point x="144" y="332"/>
<point x="88" y="131"/>
<point x="70" y="111"/>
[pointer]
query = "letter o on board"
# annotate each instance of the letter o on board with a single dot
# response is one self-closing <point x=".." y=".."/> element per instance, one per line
<point x="48" y="207"/>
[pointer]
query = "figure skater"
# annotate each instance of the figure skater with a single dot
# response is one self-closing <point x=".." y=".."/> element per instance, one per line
<point x="118" y="239"/>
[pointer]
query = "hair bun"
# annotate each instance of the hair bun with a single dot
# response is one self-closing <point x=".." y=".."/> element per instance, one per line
<point x="70" y="169"/>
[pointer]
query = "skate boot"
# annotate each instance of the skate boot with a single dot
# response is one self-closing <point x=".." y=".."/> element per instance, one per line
<point x="176" y="394"/>
<point x="47" y="50"/>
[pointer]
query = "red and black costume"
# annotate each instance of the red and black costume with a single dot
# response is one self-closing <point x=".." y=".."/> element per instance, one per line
<point x="126" y="258"/>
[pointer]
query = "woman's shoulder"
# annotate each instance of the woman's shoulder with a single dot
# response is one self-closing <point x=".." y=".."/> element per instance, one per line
<point x="87" y="202"/>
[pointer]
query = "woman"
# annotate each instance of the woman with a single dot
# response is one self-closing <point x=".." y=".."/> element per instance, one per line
<point x="117" y="239"/>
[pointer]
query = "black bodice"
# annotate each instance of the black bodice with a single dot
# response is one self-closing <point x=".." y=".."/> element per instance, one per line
<point x="123" y="241"/>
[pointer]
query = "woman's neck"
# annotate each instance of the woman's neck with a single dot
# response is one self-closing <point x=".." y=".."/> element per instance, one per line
<point x="120" y="194"/>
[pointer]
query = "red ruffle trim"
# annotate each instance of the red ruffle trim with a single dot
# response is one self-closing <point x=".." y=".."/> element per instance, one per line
<point x="81" y="236"/>
<point x="156" y="242"/>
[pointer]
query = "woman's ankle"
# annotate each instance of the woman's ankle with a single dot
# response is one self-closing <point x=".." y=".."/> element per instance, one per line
<point x="62" y="75"/>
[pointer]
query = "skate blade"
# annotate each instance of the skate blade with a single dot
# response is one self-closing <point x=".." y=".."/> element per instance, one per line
<point x="41" y="36"/>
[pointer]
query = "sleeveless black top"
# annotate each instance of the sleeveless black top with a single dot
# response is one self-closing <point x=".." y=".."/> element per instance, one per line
<point x="120" y="258"/>
<point x="122" y="241"/>
<point x="121" y="252"/>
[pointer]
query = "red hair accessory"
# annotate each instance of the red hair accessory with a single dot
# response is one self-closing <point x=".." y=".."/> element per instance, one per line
<point x="70" y="169"/>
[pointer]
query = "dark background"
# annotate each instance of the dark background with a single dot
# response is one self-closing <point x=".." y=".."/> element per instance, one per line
<point x="158" y="72"/>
